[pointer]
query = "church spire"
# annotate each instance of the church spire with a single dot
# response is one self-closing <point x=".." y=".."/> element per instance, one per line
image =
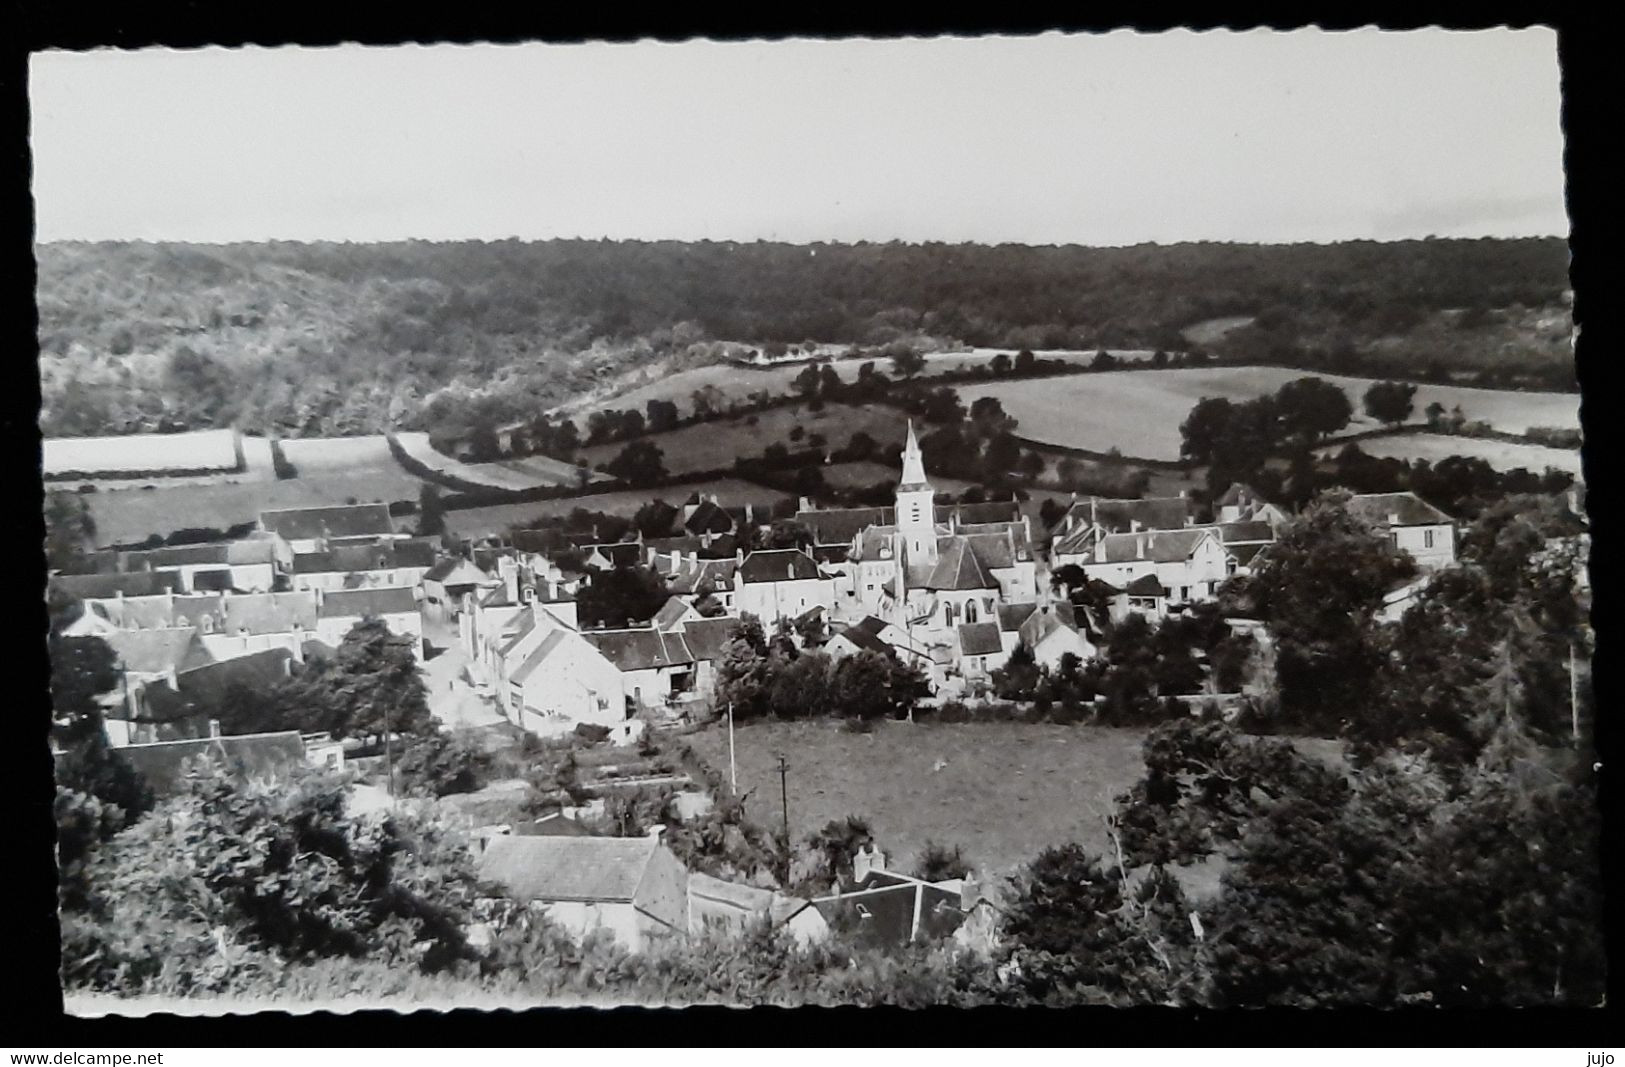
<point x="913" y="462"/>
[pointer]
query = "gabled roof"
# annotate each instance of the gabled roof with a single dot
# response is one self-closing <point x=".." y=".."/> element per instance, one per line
<point x="353" y="603"/>
<point x="875" y="543"/>
<point x="671" y="613"/>
<point x="548" y="868"/>
<point x="349" y="520"/>
<point x="1244" y="555"/>
<point x="987" y="512"/>
<point x="979" y="639"/>
<point x="1152" y="513"/>
<point x="205" y="686"/>
<point x="353" y="558"/>
<point x="1011" y="616"/>
<point x="455" y="570"/>
<point x="1245" y="532"/>
<point x="1157" y="546"/>
<point x="264" y="613"/>
<point x="178" y="556"/>
<point x="554" y="825"/>
<point x="248" y="755"/>
<point x="708" y="518"/>
<point x="108" y="586"/>
<point x="618" y="553"/>
<point x="707" y="638"/>
<point x="778" y="565"/>
<point x="958" y="567"/>
<point x="1146" y="585"/>
<point x="213" y="582"/>
<point x="1041" y="624"/>
<point x="638" y="650"/>
<point x="1396" y="509"/>
<point x="156" y="651"/>
<point x="518" y="628"/>
<point x="831" y="553"/>
<point x="1239" y="494"/>
<point x="718" y="572"/>
<point x="838" y="526"/>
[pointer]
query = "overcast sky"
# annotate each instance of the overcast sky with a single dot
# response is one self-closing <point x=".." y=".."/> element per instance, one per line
<point x="1108" y="139"/>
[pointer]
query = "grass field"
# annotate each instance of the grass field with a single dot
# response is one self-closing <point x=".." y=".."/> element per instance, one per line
<point x="1139" y="412"/>
<point x="534" y="472"/>
<point x="473" y="522"/>
<point x="1502" y="455"/>
<point x="128" y="515"/>
<point x="338" y="454"/>
<point x="710" y="445"/>
<point x="1004" y="793"/>
<point x="205" y="450"/>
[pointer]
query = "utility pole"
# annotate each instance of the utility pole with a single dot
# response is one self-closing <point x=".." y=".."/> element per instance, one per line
<point x="784" y="803"/>
<point x="733" y="773"/>
<point x="1574" y="696"/>
<point x="389" y="758"/>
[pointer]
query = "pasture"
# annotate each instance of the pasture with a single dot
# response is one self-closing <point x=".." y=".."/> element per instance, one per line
<point x="533" y="472"/>
<point x="124" y="516"/>
<point x="1001" y="791"/>
<point x="339" y="454"/>
<point x="477" y="522"/>
<point x="1502" y="455"/>
<point x="1139" y="412"/>
<point x="134" y="454"/>
<point x="713" y="445"/>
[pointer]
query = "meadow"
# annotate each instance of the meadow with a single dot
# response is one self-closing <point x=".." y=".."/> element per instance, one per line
<point x="124" y="516"/>
<point x="1502" y="455"/>
<point x="1139" y="412"/>
<point x="713" y="445"/>
<point x="477" y="522"/>
<point x="1003" y="793"/>
<point x="532" y="472"/>
<point x="202" y="450"/>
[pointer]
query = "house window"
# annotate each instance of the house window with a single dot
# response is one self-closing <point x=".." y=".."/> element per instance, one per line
<point x="1427" y="538"/>
<point x="1184" y="592"/>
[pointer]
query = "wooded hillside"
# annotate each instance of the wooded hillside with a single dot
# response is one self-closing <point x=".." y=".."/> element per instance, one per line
<point x="341" y="338"/>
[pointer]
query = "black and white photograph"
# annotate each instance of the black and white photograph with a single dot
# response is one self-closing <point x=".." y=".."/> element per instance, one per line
<point x="1040" y="521"/>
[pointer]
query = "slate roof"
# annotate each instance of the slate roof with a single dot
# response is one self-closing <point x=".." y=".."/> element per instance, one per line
<point x="1411" y="509"/>
<point x="619" y="554"/>
<point x="1245" y="532"/>
<point x="1146" y="585"/>
<point x="1245" y="554"/>
<point x="554" y="825"/>
<point x="637" y="650"/>
<point x="1152" y="513"/>
<point x="1239" y="494"/>
<point x="988" y="512"/>
<point x="1011" y="616"/>
<point x="348" y="520"/>
<point x="518" y="628"/>
<point x="979" y="639"/>
<point x="958" y="567"/>
<point x="670" y="612"/>
<point x="179" y="556"/>
<point x="708" y="517"/>
<point x="163" y="763"/>
<point x="1041" y="624"/>
<point x="831" y="553"/>
<point x="721" y="546"/>
<point x="204" y="687"/>
<point x="664" y="516"/>
<point x="212" y="582"/>
<point x="778" y="565"/>
<point x="1157" y="546"/>
<point x="707" y="638"/>
<point x="264" y="613"/>
<point x="156" y="651"/>
<point x="548" y="868"/>
<point x="459" y="570"/>
<point x="353" y="558"/>
<point x="386" y="600"/>
<point x="718" y="572"/>
<point x="838" y="526"/>
<point x="875" y="543"/>
<point x="109" y="586"/>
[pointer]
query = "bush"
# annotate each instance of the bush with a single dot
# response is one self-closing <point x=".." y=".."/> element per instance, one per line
<point x="591" y="733"/>
<point x="279" y="462"/>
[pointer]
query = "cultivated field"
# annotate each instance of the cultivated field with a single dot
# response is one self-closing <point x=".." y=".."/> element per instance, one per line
<point x="730" y="492"/>
<point x="733" y="382"/>
<point x="339" y="453"/>
<point x="128" y="515"/>
<point x="1502" y="455"/>
<point x="530" y="473"/>
<point x="713" y="445"/>
<point x="1005" y="791"/>
<point x="1139" y="412"/>
<point x="203" y="450"/>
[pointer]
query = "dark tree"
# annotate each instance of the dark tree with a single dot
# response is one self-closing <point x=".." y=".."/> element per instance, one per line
<point x="1313" y="408"/>
<point x="640" y="463"/>
<point x="906" y="362"/>
<point x="431" y="512"/>
<point x="1390" y="402"/>
<point x="625" y="596"/>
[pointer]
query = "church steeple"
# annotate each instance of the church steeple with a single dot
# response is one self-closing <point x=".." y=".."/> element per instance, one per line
<point x="913" y="464"/>
<point x="916" y="510"/>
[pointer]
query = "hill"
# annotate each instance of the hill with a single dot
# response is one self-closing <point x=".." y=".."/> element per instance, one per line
<point x="332" y="339"/>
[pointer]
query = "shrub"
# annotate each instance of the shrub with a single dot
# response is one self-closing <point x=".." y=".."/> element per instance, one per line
<point x="591" y="733"/>
<point x="279" y="461"/>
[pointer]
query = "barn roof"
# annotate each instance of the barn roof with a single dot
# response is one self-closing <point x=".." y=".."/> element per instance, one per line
<point x="549" y="868"/>
<point x="1396" y="509"/>
<point x="778" y="565"/>
<point x="638" y="650"/>
<point x="348" y="520"/>
<point x="385" y="600"/>
<point x="156" y="651"/>
<point x="979" y="638"/>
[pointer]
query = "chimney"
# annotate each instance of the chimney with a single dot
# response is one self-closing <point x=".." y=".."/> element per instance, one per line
<point x="862" y="864"/>
<point x="739" y="556"/>
<point x="1182" y="493"/>
<point x="1092" y="519"/>
<point x="676" y="559"/>
<point x="806" y="504"/>
<point x="1100" y="549"/>
<point x="214" y="727"/>
<point x="1393" y="518"/>
<point x="970" y="892"/>
<point x="1139" y="545"/>
<point x="694" y="558"/>
<point x="713" y="499"/>
<point x="1134" y="526"/>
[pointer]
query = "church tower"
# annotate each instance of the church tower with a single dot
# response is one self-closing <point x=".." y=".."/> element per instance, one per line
<point x="916" y="510"/>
